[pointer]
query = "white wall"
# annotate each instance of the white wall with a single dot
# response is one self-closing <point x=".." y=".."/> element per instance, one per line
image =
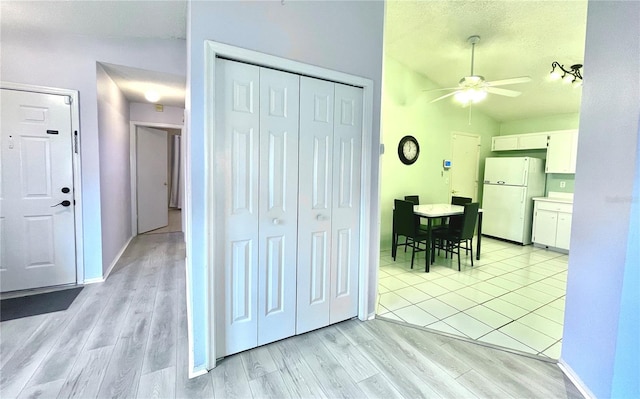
<point x="69" y="62"/>
<point x="113" y="136"/>
<point x="339" y="35"/>
<point x="601" y="334"/>
<point x="146" y="112"/>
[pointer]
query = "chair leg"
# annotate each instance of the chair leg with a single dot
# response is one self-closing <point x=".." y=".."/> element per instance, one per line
<point x="413" y="253"/>
<point x="458" y="256"/>
<point x="395" y="245"/>
<point x="471" y="250"/>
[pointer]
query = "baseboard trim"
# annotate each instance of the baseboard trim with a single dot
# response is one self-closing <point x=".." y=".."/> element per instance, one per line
<point x="197" y="372"/>
<point x="111" y="266"/>
<point x="573" y="377"/>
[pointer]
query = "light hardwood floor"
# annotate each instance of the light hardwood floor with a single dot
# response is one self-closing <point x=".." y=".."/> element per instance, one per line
<point x="127" y="338"/>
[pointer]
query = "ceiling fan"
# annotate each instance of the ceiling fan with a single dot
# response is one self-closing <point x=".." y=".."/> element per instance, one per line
<point x="474" y="88"/>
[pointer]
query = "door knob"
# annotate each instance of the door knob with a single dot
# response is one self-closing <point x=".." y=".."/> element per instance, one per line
<point x="65" y="190"/>
<point x="63" y="203"/>
<point x="276" y="221"/>
<point x="321" y="218"/>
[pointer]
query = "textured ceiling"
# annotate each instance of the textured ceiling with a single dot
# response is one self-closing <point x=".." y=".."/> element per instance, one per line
<point x="518" y="38"/>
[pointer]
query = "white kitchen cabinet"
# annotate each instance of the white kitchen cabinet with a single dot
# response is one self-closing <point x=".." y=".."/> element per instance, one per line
<point x="552" y="223"/>
<point x="529" y="141"/>
<point x="561" y="152"/>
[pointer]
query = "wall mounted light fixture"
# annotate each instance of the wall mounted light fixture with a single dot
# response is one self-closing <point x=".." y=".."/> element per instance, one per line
<point x="571" y="75"/>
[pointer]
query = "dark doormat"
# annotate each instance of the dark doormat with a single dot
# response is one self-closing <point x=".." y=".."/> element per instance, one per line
<point x="16" y="308"/>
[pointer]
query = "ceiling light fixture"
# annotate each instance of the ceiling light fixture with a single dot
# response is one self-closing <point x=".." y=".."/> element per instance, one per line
<point x="152" y="96"/>
<point x="572" y="75"/>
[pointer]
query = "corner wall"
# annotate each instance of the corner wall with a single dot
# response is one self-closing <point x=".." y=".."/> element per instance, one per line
<point x="601" y="315"/>
<point x="345" y="36"/>
<point x="113" y="136"/>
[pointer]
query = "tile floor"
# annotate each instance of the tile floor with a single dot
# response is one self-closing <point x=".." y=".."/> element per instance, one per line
<point x="513" y="297"/>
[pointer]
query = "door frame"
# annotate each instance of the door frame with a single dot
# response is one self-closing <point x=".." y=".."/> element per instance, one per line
<point x="76" y="161"/>
<point x="215" y="50"/>
<point x="479" y="139"/>
<point x="133" y="165"/>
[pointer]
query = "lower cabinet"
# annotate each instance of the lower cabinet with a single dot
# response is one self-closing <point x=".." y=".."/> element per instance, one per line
<point x="552" y="224"/>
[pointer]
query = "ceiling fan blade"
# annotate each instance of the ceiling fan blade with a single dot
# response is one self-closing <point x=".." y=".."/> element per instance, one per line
<point x="511" y="81"/>
<point x="444" y="88"/>
<point x="502" y="92"/>
<point x="443" y="97"/>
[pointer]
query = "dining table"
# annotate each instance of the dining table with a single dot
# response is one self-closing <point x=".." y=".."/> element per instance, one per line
<point x="432" y="212"/>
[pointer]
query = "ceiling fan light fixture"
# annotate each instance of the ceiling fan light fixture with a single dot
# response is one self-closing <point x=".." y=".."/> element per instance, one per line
<point x="470" y="95"/>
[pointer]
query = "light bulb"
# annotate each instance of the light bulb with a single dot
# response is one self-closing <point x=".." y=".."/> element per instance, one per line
<point x="576" y="83"/>
<point x="152" y="96"/>
<point x="568" y="78"/>
<point x="462" y="97"/>
<point x="478" y="95"/>
<point x="554" y="75"/>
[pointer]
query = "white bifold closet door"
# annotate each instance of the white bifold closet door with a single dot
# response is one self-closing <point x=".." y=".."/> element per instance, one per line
<point x="329" y="203"/>
<point x="288" y="154"/>
<point x="258" y="115"/>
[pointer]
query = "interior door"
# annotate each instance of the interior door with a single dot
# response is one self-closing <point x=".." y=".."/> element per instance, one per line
<point x="465" y="156"/>
<point x="238" y="146"/>
<point x="37" y="212"/>
<point x="278" y="209"/>
<point x="345" y="211"/>
<point x="151" y="169"/>
<point x="314" y="203"/>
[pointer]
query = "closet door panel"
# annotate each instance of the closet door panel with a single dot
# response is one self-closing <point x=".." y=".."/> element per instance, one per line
<point x="314" y="202"/>
<point x="345" y="228"/>
<point x="278" y="196"/>
<point x="237" y="122"/>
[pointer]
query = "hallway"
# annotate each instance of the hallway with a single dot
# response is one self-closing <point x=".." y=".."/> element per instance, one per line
<point x="127" y="337"/>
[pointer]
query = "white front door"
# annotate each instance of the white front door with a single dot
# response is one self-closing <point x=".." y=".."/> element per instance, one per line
<point x="152" y="169"/>
<point x="465" y="156"/>
<point x="37" y="209"/>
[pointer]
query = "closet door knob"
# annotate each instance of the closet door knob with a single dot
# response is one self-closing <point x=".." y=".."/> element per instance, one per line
<point x="276" y="221"/>
<point x="321" y="218"/>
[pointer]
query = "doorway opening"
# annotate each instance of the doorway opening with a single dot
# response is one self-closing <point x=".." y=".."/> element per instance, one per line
<point x="157" y="178"/>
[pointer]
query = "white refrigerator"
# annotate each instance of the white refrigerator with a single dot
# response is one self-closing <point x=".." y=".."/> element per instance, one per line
<point x="507" y="204"/>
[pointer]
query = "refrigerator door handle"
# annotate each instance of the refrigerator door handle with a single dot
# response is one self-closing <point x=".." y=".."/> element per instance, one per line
<point x="524" y="177"/>
<point x="522" y="199"/>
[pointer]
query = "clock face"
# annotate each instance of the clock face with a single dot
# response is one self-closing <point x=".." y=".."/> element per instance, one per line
<point x="408" y="150"/>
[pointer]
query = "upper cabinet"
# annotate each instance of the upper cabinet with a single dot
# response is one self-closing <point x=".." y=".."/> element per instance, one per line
<point x="531" y="141"/>
<point x="561" y="146"/>
<point x="561" y="152"/>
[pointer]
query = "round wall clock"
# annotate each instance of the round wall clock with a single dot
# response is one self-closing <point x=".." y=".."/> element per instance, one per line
<point x="408" y="150"/>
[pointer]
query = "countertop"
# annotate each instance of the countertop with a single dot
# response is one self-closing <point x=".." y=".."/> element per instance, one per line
<point x="554" y="199"/>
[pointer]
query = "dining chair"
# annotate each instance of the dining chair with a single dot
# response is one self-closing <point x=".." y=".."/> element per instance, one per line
<point x="451" y="239"/>
<point x="406" y="225"/>
<point x="456" y="220"/>
<point x="415" y="200"/>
